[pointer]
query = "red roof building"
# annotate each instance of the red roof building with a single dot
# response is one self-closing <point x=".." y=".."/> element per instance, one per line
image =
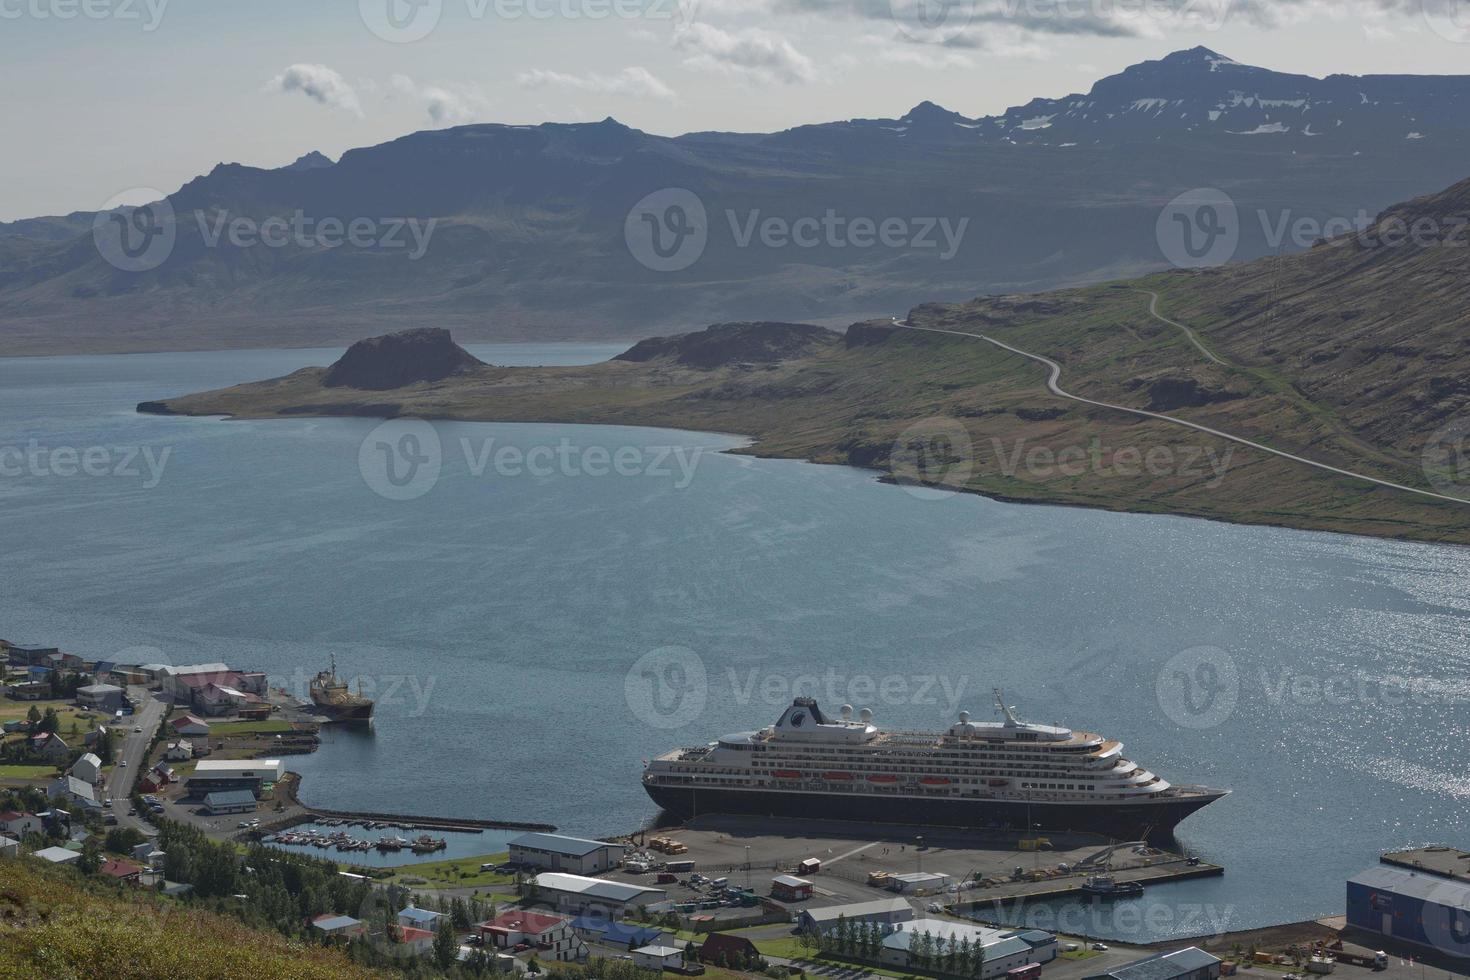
<point x="416" y="940"/>
<point x="121" y="870"/>
<point x="551" y="935"/>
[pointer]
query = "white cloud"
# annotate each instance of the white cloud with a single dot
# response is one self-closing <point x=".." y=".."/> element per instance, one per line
<point x="318" y="83"/>
<point x="635" y="82"/>
<point x="445" y="106"/>
<point x="751" y="52"/>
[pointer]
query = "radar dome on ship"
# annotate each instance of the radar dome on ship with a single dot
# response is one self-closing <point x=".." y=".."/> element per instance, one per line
<point x="964" y="717"/>
<point x="866" y="715"/>
<point x="846" y="711"/>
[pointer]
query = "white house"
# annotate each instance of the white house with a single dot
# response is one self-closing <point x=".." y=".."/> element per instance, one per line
<point x="576" y="894"/>
<point x="556" y="852"/>
<point x="552" y="936"/>
<point x="88" y="768"/>
<point x="658" y="957"/>
<point x="9" y="846"/>
<point x="417" y="918"/>
<point x="16" y="824"/>
<point x="179" y="751"/>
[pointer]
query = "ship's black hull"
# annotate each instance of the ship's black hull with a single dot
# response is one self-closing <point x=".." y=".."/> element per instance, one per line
<point x="357" y="714"/>
<point x="1150" y="821"/>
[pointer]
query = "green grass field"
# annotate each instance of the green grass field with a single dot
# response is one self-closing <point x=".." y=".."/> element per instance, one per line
<point x="456" y="872"/>
<point x="27" y="772"/>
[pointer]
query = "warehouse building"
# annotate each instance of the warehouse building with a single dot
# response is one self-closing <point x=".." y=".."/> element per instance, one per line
<point x="555" y="852"/>
<point x="218" y="775"/>
<point x="1182" y="964"/>
<point x="102" y="697"/>
<point x="1417" y="907"/>
<point x="886" y="912"/>
<point x="789" y="888"/>
<point x="911" y="944"/>
<point x="919" y="883"/>
<point x="230" y="801"/>
<point x="578" y="894"/>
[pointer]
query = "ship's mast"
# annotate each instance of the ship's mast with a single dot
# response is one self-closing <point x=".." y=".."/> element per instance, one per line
<point x="1008" y="711"/>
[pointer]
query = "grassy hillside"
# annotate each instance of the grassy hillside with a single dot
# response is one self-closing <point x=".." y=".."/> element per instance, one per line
<point x="57" y="925"/>
<point x="1353" y="355"/>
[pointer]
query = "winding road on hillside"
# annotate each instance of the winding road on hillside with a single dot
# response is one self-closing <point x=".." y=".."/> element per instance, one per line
<point x="1153" y="311"/>
<point x="1056" y="389"/>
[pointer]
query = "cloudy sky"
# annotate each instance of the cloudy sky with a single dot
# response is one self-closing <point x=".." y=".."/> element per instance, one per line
<point x="103" y="97"/>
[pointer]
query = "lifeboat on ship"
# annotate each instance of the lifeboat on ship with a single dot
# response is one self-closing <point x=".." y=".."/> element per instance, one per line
<point x="880" y="778"/>
<point x="837" y="776"/>
<point x="997" y="782"/>
<point x="934" y="781"/>
<point x="786" y="774"/>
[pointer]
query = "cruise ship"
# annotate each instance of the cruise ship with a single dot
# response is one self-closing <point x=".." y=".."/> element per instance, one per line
<point x="1000" y="774"/>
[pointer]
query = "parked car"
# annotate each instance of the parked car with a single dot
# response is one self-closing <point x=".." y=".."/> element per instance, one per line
<point x="1099" y="947"/>
<point x="123" y="763"/>
<point x="137" y="729"/>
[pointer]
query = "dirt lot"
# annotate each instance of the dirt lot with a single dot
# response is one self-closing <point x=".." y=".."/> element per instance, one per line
<point x="721" y="846"/>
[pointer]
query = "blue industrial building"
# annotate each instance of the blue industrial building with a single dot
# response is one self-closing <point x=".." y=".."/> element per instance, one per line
<point x="1422" y="908"/>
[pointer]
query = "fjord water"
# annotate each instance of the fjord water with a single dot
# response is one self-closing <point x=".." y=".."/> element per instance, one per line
<point x="499" y="618"/>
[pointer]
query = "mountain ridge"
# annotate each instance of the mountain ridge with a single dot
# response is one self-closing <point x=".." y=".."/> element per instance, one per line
<point x="531" y="226"/>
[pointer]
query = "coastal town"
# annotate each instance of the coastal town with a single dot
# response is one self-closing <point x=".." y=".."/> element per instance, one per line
<point x="173" y="780"/>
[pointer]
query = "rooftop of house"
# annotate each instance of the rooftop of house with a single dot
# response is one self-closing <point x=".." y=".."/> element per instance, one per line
<point x="329" y="921"/>
<point x="115" y="868"/>
<point x="526" y="922"/>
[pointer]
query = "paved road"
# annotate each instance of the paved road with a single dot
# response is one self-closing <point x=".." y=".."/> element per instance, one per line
<point x="1056" y="389"/>
<point x="134" y="750"/>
